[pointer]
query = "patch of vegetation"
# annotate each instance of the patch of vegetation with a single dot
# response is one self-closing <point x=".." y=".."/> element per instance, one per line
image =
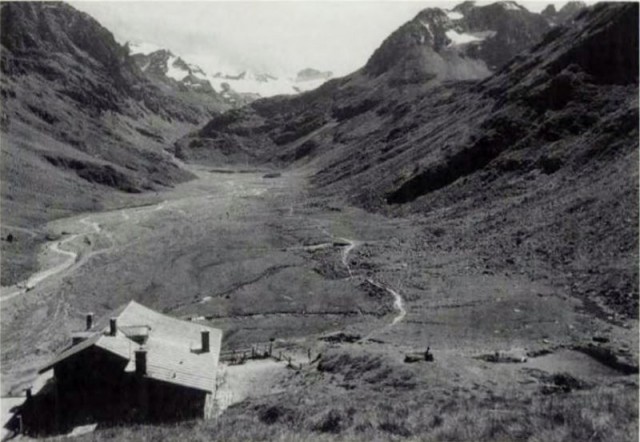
<point x="601" y="415"/>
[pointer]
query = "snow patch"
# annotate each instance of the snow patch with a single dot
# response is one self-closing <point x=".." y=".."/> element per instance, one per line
<point x="175" y="72"/>
<point x="510" y="6"/>
<point x="426" y="25"/>
<point x="250" y="85"/>
<point x="453" y="15"/>
<point x="197" y="72"/>
<point x="263" y="85"/>
<point x="246" y="82"/>
<point x="460" y="39"/>
<point x="143" y="48"/>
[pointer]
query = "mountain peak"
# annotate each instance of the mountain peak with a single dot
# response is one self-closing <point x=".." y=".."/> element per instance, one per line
<point x="468" y="42"/>
<point x="568" y="12"/>
<point x="465" y="6"/>
<point x="510" y="5"/>
<point x="238" y="88"/>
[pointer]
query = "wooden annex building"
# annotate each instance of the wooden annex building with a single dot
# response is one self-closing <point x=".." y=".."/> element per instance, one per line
<point x="137" y="365"/>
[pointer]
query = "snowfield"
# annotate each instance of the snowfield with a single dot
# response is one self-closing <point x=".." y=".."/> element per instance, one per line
<point x="246" y="83"/>
<point x="173" y="71"/>
<point x="453" y="15"/>
<point x="460" y="39"/>
<point x="143" y="48"/>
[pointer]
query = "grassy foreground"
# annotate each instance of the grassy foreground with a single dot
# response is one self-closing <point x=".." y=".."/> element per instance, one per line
<point x="370" y="399"/>
<point x="603" y="415"/>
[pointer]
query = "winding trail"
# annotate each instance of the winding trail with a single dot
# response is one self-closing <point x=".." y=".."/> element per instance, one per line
<point x="38" y="277"/>
<point x="95" y="226"/>
<point x="54" y="247"/>
<point x="398" y="302"/>
<point x="72" y="258"/>
<point x="345" y="253"/>
<point x="29" y="232"/>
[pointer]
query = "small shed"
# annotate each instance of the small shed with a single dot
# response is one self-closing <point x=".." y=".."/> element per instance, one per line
<point x="136" y="365"/>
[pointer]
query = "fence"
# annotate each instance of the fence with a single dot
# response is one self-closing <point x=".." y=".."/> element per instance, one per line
<point x="260" y="351"/>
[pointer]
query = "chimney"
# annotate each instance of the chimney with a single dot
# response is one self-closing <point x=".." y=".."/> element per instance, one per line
<point x="141" y="361"/>
<point x="205" y="341"/>
<point x="28" y="393"/>
<point x="89" y="321"/>
<point x="112" y="327"/>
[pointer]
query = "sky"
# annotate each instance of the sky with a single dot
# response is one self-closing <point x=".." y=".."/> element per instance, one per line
<point x="277" y="37"/>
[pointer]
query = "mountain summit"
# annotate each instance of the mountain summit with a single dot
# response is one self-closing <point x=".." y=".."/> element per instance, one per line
<point x="468" y="42"/>
<point x="237" y="88"/>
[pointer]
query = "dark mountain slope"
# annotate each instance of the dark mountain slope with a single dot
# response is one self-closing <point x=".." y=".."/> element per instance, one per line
<point x="188" y="82"/>
<point x="567" y="13"/>
<point x="80" y="122"/>
<point x="543" y="174"/>
<point x="435" y="47"/>
<point x="534" y="168"/>
<point x="467" y="43"/>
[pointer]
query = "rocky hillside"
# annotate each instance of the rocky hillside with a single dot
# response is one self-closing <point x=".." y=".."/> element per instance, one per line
<point x="551" y="138"/>
<point x="466" y="43"/>
<point x="79" y="121"/>
<point x="567" y="13"/>
<point x="173" y="72"/>
<point x="173" y="75"/>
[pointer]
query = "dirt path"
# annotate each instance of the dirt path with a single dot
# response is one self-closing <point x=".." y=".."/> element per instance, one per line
<point x="55" y="247"/>
<point x="38" y="277"/>
<point x="398" y="302"/>
<point x="173" y="247"/>
<point x="29" y="232"/>
<point x="345" y="253"/>
<point x="71" y="256"/>
<point x="93" y="225"/>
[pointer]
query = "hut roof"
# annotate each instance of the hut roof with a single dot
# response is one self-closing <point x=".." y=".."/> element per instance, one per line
<point x="173" y="346"/>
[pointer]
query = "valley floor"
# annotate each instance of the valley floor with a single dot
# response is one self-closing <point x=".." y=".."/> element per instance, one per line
<point x="263" y="260"/>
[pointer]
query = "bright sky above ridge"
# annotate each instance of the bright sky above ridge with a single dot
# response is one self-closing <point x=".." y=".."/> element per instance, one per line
<point x="275" y="37"/>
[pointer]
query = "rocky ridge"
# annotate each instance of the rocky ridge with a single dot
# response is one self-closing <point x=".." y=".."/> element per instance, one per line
<point x="237" y="89"/>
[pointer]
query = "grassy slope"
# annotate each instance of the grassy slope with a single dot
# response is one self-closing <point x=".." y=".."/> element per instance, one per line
<point x="82" y="129"/>
<point x="355" y="395"/>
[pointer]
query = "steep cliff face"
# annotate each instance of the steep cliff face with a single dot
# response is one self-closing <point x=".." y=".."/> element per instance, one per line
<point x="567" y="13"/>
